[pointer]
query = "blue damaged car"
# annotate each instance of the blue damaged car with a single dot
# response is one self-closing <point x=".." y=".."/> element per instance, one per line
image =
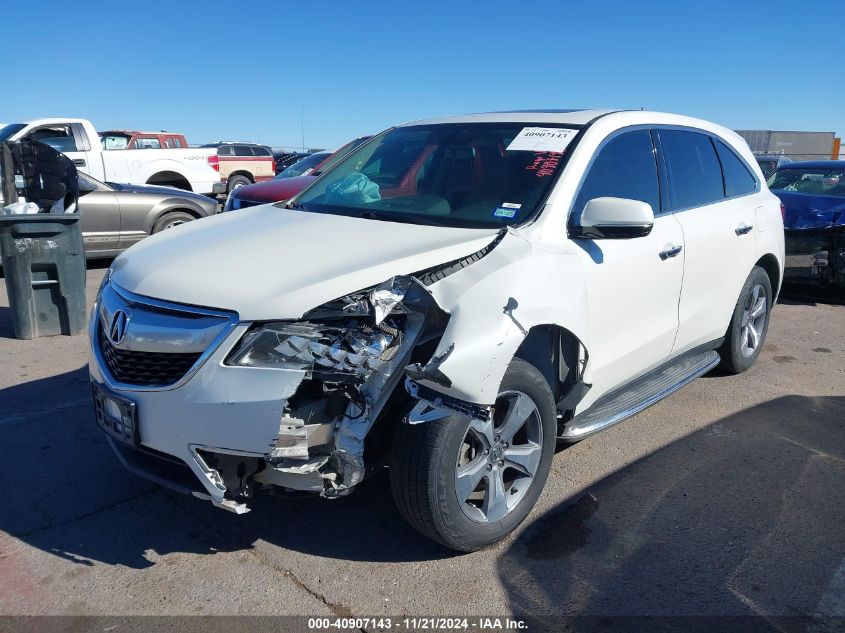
<point x="813" y="197"/>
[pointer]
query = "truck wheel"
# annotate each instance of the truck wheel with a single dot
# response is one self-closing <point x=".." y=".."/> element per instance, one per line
<point x="467" y="483"/>
<point x="235" y="182"/>
<point x="169" y="220"/>
<point x="749" y="324"/>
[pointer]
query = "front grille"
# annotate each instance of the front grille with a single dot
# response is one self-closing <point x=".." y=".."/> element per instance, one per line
<point x="146" y="369"/>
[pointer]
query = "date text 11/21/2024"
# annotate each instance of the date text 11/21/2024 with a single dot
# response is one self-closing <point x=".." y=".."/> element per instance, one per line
<point x="417" y="624"/>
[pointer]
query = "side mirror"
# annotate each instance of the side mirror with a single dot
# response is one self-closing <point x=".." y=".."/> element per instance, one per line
<point x="615" y="218"/>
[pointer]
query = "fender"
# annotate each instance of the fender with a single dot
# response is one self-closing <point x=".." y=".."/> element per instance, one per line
<point x="488" y="323"/>
<point x="171" y="204"/>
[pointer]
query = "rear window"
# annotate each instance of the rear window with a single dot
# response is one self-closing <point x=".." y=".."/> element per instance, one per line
<point x="695" y="175"/>
<point x="738" y="178"/>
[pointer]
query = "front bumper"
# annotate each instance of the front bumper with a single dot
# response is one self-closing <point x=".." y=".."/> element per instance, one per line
<point x="216" y="410"/>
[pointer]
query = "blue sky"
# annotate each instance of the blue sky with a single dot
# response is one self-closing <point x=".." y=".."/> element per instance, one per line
<point x="237" y="70"/>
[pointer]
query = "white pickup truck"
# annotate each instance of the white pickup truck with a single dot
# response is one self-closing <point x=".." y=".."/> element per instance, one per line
<point x="188" y="169"/>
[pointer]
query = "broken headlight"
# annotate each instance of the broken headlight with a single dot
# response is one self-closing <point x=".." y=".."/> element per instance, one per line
<point x="351" y="336"/>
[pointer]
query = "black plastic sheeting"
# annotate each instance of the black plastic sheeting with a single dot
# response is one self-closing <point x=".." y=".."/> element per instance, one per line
<point x="38" y="173"/>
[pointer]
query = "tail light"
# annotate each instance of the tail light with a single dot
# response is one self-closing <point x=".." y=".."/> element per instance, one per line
<point x="214" y="162"/>
<point x="783" y="211"/>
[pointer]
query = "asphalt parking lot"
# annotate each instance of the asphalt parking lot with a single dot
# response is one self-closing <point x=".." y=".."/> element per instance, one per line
<point x="725" y="499"/>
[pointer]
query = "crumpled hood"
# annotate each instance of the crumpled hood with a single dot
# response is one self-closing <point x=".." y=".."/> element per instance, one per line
<point x="269" y="263"/>
<point x="808" y="211"/>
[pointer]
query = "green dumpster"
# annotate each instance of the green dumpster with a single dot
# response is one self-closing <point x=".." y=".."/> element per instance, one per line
<point x="44" y="266"/>
<point x="42" y="253"/>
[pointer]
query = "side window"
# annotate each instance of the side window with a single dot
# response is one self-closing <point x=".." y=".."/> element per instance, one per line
<point x="171" y="142"/>
<point x="738" y="180"/>
<point x="695" y="176"/>
<point x="243" y="150"/>
<point x="114" y="141"/>
<point x="225" y="150"/>
<point x="59" y="137"/>
<point x="624" y="168"/>
<point x="261" y="151"/>
<point x="146" y="142"/>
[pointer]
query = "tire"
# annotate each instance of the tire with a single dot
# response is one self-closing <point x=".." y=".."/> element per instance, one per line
<point x="749" y="324"/>
<point x="170" y="220"/>
<point x="236" y="182"/>
<point x="425" y="457"/>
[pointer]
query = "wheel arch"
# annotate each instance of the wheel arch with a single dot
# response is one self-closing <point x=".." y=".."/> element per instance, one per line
<point x="770" y="264"/>
<point x="157" y="214"/>
<point x="241" y="172"/>
<point x="170" y="178"/>
<point x="555" y="352"/>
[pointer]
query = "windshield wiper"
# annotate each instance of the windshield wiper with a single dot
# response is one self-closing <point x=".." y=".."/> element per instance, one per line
<point x="405" y="218"/>
<point x="298" y="206"/>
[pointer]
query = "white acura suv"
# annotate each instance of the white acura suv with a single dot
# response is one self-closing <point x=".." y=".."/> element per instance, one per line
<point x="451" y="300"/>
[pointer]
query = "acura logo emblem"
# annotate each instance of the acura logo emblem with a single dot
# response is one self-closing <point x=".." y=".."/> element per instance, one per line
<point x="117" y="331"/>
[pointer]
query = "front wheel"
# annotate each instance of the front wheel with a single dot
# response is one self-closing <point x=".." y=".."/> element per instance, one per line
<point x="749" y="323"/>
<point x="171" y="220"/>
<point x="468" y="483"/>
<point x="236" y="182"/>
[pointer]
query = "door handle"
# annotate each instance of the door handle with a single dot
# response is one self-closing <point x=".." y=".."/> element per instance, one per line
<point x="79" y="162"/>
<point x="672" y="251"/>
<point x="742" y="229"/>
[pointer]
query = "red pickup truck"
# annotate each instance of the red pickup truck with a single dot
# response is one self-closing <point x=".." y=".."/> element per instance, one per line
<point x="132" y="139"/>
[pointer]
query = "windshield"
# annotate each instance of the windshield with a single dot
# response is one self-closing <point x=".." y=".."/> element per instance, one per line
<point x="825" y="181"/>
<point x="303" y="165"/>
<point x="455" y="174"/>
<point x="767" y="166"/>
<point x="10" y="130"/>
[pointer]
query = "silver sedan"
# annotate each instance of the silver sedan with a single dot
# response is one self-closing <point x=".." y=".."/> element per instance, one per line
<point x="116" y="216"/>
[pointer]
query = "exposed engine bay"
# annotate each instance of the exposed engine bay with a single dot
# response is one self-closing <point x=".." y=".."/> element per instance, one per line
<point x="354" y="352"/>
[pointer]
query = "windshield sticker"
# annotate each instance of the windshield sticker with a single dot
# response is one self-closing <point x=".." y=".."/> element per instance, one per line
<point x="542" y="139"/>
<point x="505" y="212"/>
<point x="544" y="164"/>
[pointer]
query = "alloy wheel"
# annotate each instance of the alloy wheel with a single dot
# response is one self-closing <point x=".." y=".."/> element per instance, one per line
<point x="753" y="321"/>
<point x="498" y="458"/>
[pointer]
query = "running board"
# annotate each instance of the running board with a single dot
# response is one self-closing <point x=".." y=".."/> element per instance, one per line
<point x="638" y="395"/>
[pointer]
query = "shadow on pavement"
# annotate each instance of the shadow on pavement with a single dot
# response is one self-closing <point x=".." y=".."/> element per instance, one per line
<point x="65" y="493"/>
<point x="806" y="294"/>
<point x="741" y="518"/>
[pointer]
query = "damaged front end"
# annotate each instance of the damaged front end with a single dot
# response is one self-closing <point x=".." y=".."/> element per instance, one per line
<point x="816" y="256"/>
<point x="353" y="353"/>
<point x="814" y="230"/>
